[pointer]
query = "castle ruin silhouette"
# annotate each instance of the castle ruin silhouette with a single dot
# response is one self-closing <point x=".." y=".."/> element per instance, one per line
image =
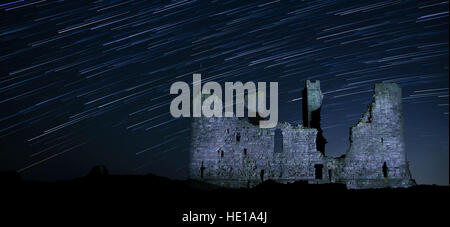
<point x="233" y="152"/>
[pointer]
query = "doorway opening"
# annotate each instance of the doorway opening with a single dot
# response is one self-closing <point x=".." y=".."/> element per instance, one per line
<point x="318" y="171"/>
<point x="329" y="175"/>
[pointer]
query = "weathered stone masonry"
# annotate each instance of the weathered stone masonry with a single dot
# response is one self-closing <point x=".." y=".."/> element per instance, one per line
<point x="235" y="153"/>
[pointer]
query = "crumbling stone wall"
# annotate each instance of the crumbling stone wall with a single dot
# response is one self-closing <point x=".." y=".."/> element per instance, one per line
<point x="376" y="141"/>
<point x="235" y="153"/>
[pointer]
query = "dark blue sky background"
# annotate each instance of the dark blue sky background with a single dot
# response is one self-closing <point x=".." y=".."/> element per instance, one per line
<point x="87" y="82"/>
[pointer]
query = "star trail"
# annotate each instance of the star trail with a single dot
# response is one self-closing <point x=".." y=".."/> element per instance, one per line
<point x="87" y="82"/>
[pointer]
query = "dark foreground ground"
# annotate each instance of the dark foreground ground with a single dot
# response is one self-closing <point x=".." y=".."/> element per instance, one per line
<point x="130" y="200"/>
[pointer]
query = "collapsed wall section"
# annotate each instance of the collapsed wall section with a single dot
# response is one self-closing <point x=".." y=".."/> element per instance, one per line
<point x="377" y="157"/>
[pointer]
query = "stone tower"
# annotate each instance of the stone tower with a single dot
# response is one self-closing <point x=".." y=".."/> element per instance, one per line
<point x="377" y="156"/>
<point x="312" y="103"/>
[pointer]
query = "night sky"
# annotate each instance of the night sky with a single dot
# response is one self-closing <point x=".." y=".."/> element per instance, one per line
<point x="84" y="83"/>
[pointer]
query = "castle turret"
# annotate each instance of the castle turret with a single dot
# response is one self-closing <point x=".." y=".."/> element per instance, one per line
<point x="312" y="103"/>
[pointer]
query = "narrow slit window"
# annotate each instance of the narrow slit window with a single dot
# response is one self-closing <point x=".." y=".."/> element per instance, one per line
<point x="385" y="170"/>
<point x="329" y="175"/>
<point x="278" y="146"/>
<point x="202" y="169"/>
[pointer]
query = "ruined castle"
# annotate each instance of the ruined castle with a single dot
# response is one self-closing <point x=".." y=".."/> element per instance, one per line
<point x="234" y="152"/>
